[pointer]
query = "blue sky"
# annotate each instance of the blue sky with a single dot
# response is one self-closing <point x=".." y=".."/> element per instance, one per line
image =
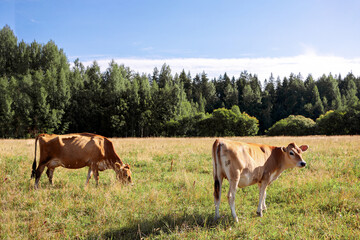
<point x="308" y="36"/>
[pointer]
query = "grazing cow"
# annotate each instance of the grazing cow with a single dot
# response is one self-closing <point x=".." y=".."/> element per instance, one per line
<point x="245" y="164"/>
<point x="77" y="151"/>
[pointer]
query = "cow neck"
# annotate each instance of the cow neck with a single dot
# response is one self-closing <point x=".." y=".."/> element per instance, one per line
<point x="276" y="158"/>
<point x="119" y="160"/>
<point x="283" y="164"/>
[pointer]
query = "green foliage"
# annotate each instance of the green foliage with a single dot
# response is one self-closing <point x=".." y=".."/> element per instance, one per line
<point x="329" y="88"/>
<point x="246" y="125"/>
<point x="235" y="109"/>
<point x="22" y="105"/>
<point x="40" y="93"/>
<point x="331" y="123"/>
<point x="223" y="122"/>
<point x="8" y="50"/>
<point x="292" y="126"/>
<point x="220" y="123"/>
<point x="352" y="120"/>
<point x="6" y="113"/>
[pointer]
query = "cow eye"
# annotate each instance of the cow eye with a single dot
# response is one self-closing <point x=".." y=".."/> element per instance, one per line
<point x="292" y="153"/>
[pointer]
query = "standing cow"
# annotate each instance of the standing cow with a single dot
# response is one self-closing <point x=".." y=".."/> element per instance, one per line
<point x="77" y="151"/>
<point x="245" y="164"/>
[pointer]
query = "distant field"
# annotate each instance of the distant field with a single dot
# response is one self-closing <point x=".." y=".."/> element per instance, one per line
<point x="320" y="201"/>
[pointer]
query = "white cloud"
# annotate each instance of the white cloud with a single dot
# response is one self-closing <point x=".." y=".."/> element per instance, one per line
<point x="309" y="63"/>
<point x="34" y="20"/>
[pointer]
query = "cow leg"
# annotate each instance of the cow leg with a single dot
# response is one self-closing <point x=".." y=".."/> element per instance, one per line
<point x="96" y="176"/>
<point x="231" y="196"/>
<point x="95" y="171"/>
<point x="50" y="173"/>
<point x="263" y="203"/>
<point x="39" y="171"/>
<point x="217" y="196"/>
<point x="262" y="196"/>
<point x="90" y="172"/>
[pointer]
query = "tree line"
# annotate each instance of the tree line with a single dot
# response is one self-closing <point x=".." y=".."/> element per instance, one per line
<point x="40" y="92"/>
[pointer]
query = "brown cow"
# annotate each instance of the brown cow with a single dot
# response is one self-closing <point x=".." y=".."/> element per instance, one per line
<point x="245" y="164"/>
<point x="77" y="151"/>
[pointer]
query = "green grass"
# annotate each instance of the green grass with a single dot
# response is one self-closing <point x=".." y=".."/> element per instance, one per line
<point x="321" y="201"/>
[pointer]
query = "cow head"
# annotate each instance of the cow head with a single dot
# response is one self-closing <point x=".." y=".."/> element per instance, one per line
<point x="293" y="156"/>
<point x="123" y="173"/>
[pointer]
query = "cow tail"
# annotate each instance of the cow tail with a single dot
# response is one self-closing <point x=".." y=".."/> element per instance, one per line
<point x="33" y="173"/>
<point x="216" y="159"/>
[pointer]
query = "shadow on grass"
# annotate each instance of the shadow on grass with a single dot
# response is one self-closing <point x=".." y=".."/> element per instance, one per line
<point x="161" y="226"/>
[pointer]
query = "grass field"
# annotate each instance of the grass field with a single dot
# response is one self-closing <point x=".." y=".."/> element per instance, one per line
<point x="320" y="201"/>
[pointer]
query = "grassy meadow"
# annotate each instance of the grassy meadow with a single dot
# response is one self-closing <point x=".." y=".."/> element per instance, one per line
<point x="172" y="195"/>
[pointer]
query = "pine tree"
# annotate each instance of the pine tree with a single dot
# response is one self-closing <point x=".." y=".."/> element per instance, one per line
<point x="318" y="107"/>
<point x="196" y="89"/>
<point x="294" y="100"/>
<point x="155" y="76"/>
<point x="267" y="105"/>
<point x="165" y="77"/>
<point x="115" y="100"/>
<point x="76" y="88"/>
<point x="22" y="105"/>
<point x="144" y="107"/>
<point x="8" y="48"/>
<point x="90" y="112"/>
<point x="350" y="94"/>
<point x="35" y="50"/>
<point x="50" y="56"/>
<point x="251" y="96"/>
<point x="349" y="90"/>
<point x="314" y="107"/>
<point x="186" y="81"/>
<point x="42" y="119"/>
<point x="22" y="61"/>
<point x="329" y="89"/>
<point x="230" y="96"/>
<point x="6" y="113"/>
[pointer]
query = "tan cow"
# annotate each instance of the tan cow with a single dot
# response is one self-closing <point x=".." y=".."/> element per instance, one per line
<point x="77" y="151"/>
<point x="245" y="164"/>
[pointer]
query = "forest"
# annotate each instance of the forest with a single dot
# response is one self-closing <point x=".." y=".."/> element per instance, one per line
<point x="40" y="91"/>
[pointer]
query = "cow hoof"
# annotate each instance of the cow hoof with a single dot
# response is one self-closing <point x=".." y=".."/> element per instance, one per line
<point x="259" y="214"/>
<point x="236" y="220"/>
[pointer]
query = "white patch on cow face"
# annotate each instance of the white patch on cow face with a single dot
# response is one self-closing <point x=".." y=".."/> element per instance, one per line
<point x="301" y="164"/>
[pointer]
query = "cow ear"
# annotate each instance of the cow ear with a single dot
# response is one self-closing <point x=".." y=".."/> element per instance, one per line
<point x="283" y="149"/>
<point x="304" y="147"/>
<point x="117" y="165"/>
<point x="127" y="166"/>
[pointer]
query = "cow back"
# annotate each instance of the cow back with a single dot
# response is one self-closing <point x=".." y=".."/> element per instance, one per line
<point x="73" y="150"/>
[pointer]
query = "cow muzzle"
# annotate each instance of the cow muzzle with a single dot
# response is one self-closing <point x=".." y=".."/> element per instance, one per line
<point x="301" y="164"/>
